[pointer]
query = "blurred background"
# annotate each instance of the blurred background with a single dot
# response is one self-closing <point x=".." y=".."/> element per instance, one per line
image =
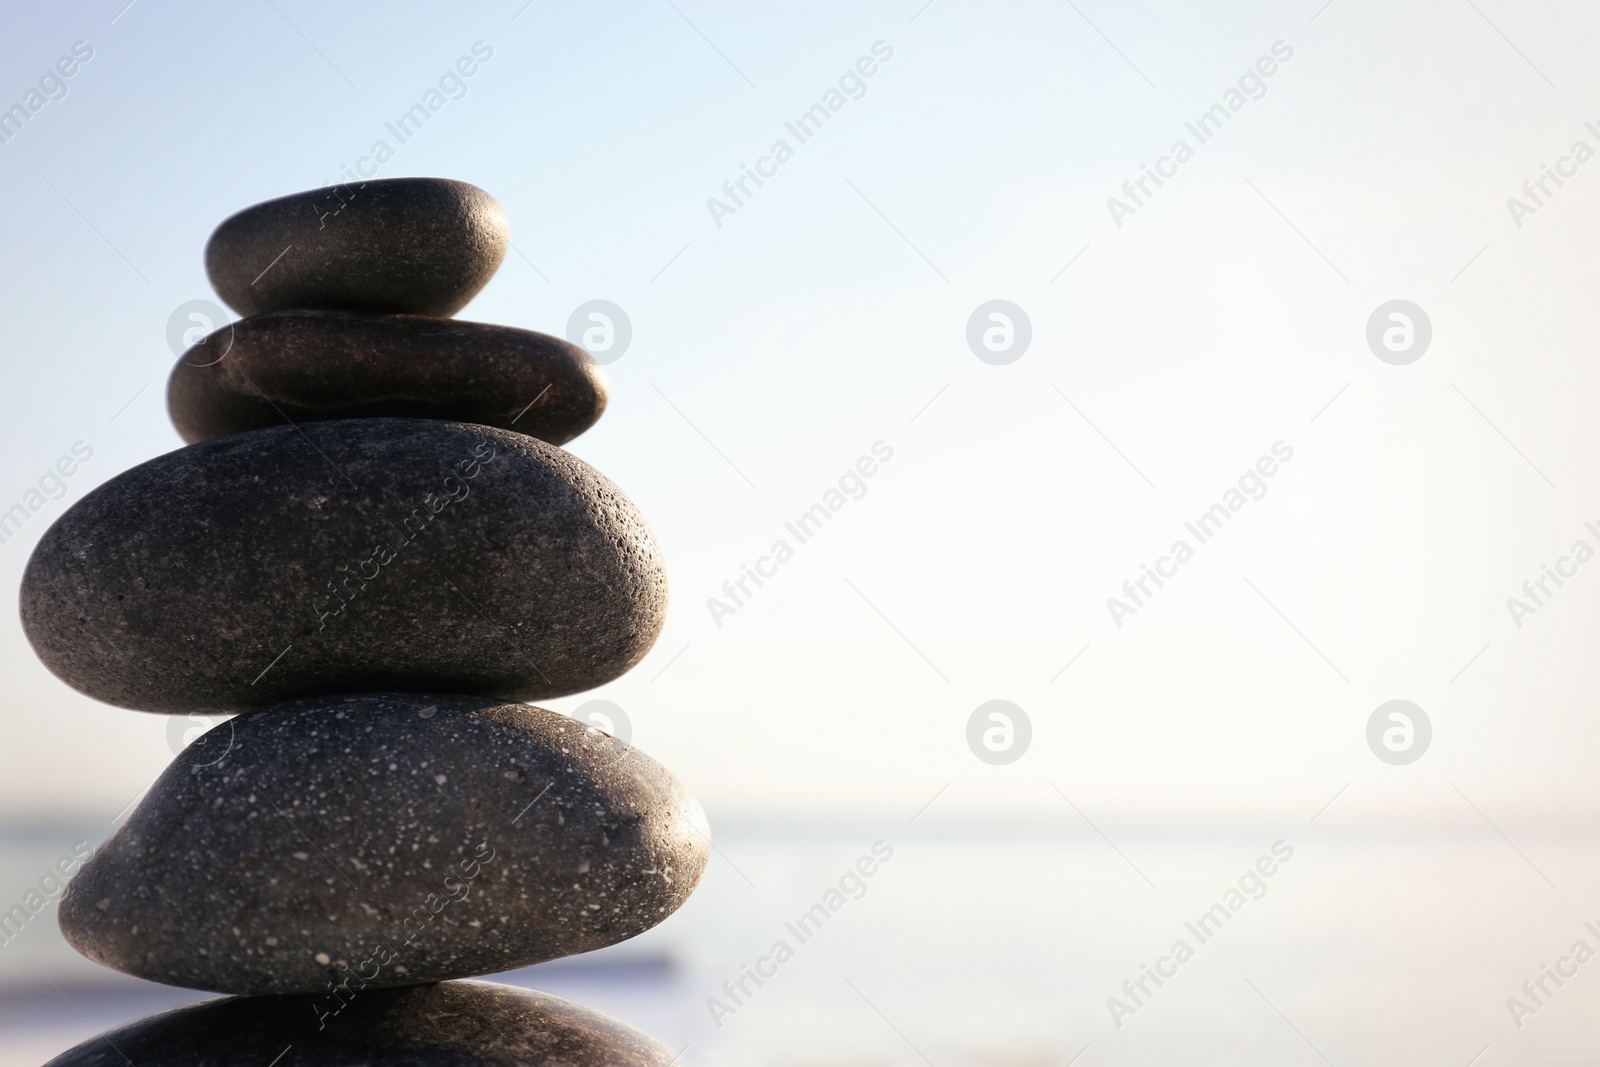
<point x="1149" y="352"/>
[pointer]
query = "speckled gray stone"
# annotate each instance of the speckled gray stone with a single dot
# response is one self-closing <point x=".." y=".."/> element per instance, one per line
<point x="304" y="366"/>
<point x="419" y="246"/>
<point x="353" y="555"/>
<point x="456" y="1024"/>
<point x="387" y="839"/>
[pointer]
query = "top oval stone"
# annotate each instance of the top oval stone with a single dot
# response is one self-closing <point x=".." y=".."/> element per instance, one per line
<point x="420" y="246"/>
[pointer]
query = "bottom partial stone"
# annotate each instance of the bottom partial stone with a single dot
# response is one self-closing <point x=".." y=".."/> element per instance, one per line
<point x="452" y="1024"/>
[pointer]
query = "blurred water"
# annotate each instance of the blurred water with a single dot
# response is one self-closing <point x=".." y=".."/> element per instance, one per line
<point x="1001" y="946"/>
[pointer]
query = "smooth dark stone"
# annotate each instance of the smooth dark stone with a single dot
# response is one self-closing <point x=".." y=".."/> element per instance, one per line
<point x="457" y="1024"/>
<point x="387" y="839"/>
<point x="305" y="366"/>
<point x="467" y="560"/>
<point x="417" y="246"/>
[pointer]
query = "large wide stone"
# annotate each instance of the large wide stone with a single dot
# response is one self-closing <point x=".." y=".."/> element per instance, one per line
<point x="457" y="1024"/>
<point x="354" y="555"/>
<point x="420" y="246"/>
<point x="386" y="839"/>
<point x="305" y="366"/>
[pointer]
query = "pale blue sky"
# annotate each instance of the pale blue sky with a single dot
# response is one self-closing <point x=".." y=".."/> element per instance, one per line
<point x="771" y="352"/>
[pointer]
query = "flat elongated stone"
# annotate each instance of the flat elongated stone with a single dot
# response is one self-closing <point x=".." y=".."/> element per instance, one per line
<point x="456" y="1024"/>
<point x="420" y="246"/>
<point x="352" y="555"/>
<point x="305" y="366"/>
<point x="387" y="839"/>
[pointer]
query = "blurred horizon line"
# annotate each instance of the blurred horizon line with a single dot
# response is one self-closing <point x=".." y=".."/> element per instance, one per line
<point x="1366" y="816"/>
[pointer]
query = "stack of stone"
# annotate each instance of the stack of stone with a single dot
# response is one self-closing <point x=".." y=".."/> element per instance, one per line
<point x="374" y="549"/>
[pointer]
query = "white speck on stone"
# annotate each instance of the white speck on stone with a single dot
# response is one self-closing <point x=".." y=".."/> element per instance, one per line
<point x="428" y="712"/>
<point x="323" y="958"/>
<point x="441" y="779"/>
